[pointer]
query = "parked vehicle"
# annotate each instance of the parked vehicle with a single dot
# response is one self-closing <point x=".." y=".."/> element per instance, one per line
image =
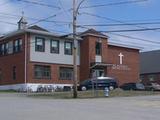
<point x="153" y="86"/>
<point x="98" y="83"/>
<point x="132" y="86"/>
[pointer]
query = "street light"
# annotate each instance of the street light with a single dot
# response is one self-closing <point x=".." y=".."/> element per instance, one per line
<point x="75" y="12"/>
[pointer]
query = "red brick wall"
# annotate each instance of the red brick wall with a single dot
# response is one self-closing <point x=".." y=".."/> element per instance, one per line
<point x="54" y="74"/>
<point x="130" y="59"/>
<point x="109" y="55"/>
<point x="84" y="59"/>
<point x="8" y="61"/>
<point x="88" y="54"/>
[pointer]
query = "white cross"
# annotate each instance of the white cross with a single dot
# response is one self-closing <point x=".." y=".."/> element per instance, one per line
<point x="121" y="58"/>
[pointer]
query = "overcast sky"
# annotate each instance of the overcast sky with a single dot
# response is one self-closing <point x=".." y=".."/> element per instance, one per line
<point x="140" y="12"/>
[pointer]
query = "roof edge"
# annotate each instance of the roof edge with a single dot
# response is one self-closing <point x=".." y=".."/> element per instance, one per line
<point x="125" y="46"/>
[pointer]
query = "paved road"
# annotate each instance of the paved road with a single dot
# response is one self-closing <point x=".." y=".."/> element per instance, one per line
<point x="16" y="107"/>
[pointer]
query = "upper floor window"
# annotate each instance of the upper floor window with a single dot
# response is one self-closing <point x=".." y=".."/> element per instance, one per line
<point x="42" y="72"/>
<point x="98" y="48"/>
<point x="54" y="46"/>
<point x="4" y="49"/>
<point x="68" y="48"/>
<point x="10" y="47"/>
<point x="40" y="44"/>
<point x="17" y="45"/>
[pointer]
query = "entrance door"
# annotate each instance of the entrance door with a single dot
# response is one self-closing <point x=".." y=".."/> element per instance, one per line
<point x="99" y="73"/>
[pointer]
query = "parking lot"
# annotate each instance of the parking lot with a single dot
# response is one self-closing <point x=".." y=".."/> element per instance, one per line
<point x="19" y="107"/>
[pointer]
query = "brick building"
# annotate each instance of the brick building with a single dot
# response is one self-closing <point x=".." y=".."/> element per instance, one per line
<point x="150" y="67"/>
<point x="33" y="56"/>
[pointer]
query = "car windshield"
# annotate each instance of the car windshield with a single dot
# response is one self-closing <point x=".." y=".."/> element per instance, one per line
<point x="86" y="81"/>
<point x="139" y="85"/>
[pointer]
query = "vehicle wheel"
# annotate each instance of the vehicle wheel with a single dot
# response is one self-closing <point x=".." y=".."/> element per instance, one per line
<point x="111" y="88"/>
<point x="83" y="88"/>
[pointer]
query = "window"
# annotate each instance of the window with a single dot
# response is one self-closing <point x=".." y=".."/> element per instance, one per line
<point x="66" y="73"/>
<point x="17" y="45"/>
<point x="68" y="48"/>
<point x="10" y="47"/>
<point x="42" y="72"/>
<point x="98" y="48"/>
<point x="54" y="46"/>
<point x="14" y="72"/>
<point x="4" y="48"/>
<point x="40" y="44"/>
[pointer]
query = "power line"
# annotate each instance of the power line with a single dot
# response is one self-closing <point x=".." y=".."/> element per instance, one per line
<point x="110" y="19"/>
<point x="41" y="20"/>
<point x="132" y="30"/>
<point x="8" y="22"/>
<point x="126" y="24"/>
<point x="117" y="3"/>
<point x="38" y="3"/>
<point x="33" y="18"/>
<point x="6" y="2"/>
<point x="126" y="36"/>
<point x="65" y="11"/>
<point x="136" y="38"/>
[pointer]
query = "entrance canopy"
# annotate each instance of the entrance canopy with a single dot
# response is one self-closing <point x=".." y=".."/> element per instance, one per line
<point x="96" y="65"/>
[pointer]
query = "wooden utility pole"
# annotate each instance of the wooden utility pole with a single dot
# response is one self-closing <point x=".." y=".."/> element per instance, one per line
<point x="75" y="78"/>
<point x="74" y="50"/>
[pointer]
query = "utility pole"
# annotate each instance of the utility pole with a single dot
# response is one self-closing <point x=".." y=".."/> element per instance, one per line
<point x="74" y="51"/>
<point x="75" y="78"/>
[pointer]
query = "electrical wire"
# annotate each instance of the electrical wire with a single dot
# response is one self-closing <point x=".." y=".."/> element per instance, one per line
<point x="125" y="24"/>
<point x="7" y="22"/>
<point x="110" y="19"/>
<point x="38" y="3"/>
<point x="132" y="30"/>
<point x="136" y="38"/>
<point x="116" y="3"/>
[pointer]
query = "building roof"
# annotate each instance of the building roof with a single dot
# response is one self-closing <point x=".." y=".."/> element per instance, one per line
<point x="36" y="27"/>
<point x="93" y="32"/>
<point x="124" y="45"/>
<point x="33" y="29"/>
<point x="149" y="62"/>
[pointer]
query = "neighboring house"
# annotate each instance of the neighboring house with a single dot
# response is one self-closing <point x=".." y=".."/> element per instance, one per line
<point x="33" y="56"/>
<point x="150" y="67"/>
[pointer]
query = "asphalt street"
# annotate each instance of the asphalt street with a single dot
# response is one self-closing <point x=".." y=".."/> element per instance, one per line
<point x="18" y="107"/>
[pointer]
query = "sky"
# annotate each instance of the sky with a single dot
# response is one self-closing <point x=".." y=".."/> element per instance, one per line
<point x="139" y="12"/>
